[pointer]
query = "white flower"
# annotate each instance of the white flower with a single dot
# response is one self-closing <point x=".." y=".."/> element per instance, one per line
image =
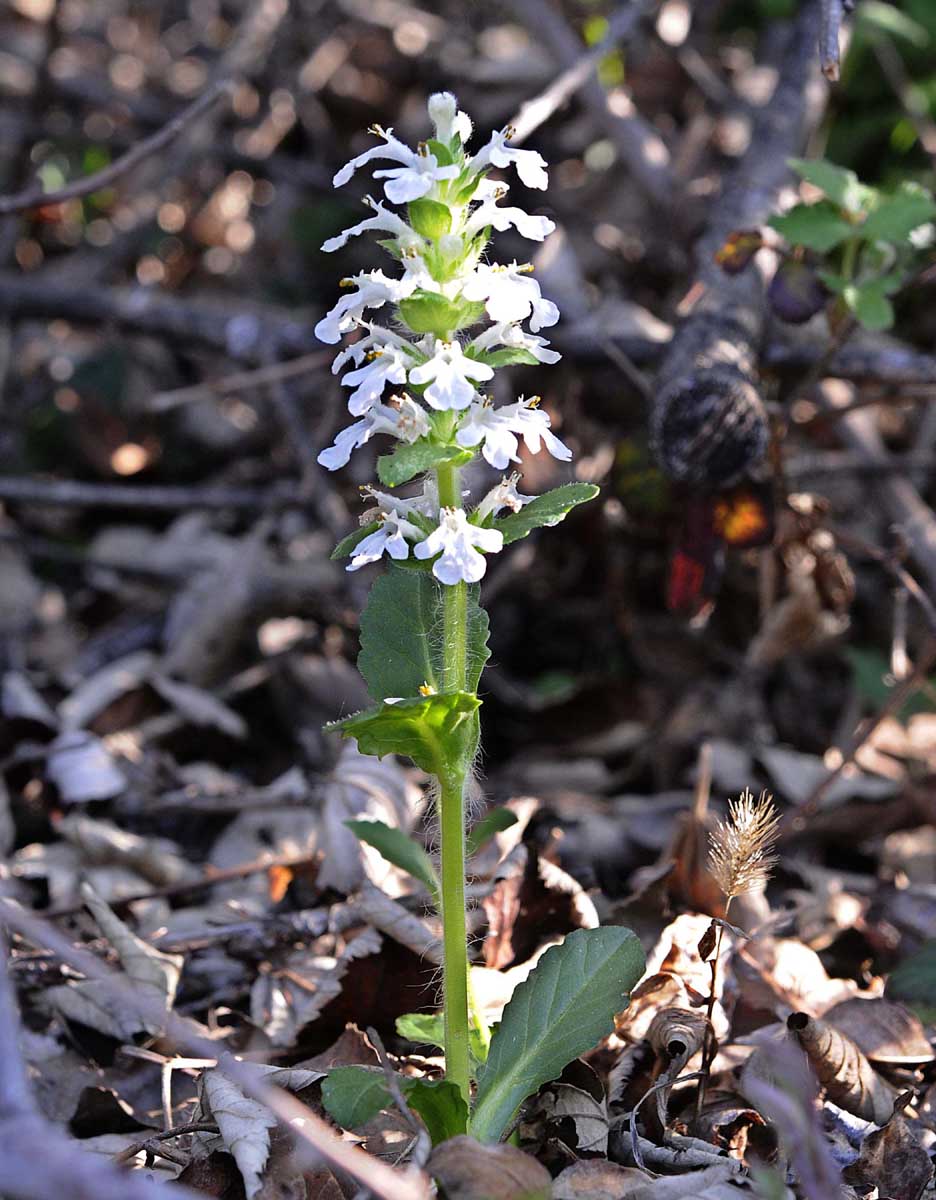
<point x="503" y="495"/>
<point x="383" y="364"/>
<point x="515" y="338"/>
<point x="383" y="219"/>
<point x="446" y="119"/>
<point x="489" y="212"/>
<point x="510" y="295"/>
<point x="501" y="428"/>
<point x="417" y="175"/>
<point x="405" y="421"/>
<point x="449" y="373"/>
<point x="373" y="290"/>
<point x="530" y="164"/>
<point x="390" y="539"/>
<point x="454" y="540"/>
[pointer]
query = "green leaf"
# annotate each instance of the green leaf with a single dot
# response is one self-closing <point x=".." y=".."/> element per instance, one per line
<point x="443" y="155"/>
<point x="429" y="218"/>
<point x="495" y="820"/>
<point x="840" y="185"/>
<point x="869" y="302"/>
<point x="400" y="649"/>
<point x="891" y="20"/>
<point x="815" y="226"/>
<point x="430" y="1028"/>
<point x="562" y="1009"/>
<point x="441" y="1106"/>
<point x="428" y="312"/>
<point x="512" y="356"/>
<point x="355" y="1095"/>
<point x="565" y="1007"/>
<point x="397" y="848"/>
<point x="436" y="732"/>
<point x="347" y="544"/>
<point x="896" y="216"/>
<point x="548" y="509"/>
<point x="411" y="459"/>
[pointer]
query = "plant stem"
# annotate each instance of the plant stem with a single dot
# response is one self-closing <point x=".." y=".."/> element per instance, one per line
<point x="452" y="825"/>
<point x="709" y="1045"/>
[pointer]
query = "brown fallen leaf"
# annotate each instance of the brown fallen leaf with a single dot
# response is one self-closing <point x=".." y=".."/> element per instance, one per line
<point x="886" y="1032"/>
<point x="675" y="1035"/>
<point x="466" y="1170"/>
<point x="598" y="1179"/>
<point x="848" y="1078"/>
<point x="893" y="1159"/>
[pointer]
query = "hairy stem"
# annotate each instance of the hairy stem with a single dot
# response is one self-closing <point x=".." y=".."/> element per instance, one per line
<point x="452" y="825"/>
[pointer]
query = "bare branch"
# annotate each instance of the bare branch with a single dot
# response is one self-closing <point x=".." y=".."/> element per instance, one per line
<point x="37" y="198"/>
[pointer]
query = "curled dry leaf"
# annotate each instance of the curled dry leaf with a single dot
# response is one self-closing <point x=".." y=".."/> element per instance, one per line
<point x="588" y="1116"/>
<point x="676" y="1034"/>
<point x="466" y="1170"/>
<point x="848" y="1078"/>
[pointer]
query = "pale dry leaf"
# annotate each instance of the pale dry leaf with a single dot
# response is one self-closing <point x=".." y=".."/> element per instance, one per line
<point x="886" y="1032"/>
<point x="99" y="691"/>
<point x="199" y="706"/>
<point x="153" y="974"/>
<point x="82" y="769"/>
<point x="396" y="922"/>
<point x="717" y="1182"/>
<point x="588" y="1115"/>
<point x="894" y="1160"/>
<point x="598" y="1179"/>
<point x="19" y="700"/>
<point x="245" y="1124"/>
<point x="797" y="775"/>
<point x="103" y="843"/>
<point x="466" y="1170"/>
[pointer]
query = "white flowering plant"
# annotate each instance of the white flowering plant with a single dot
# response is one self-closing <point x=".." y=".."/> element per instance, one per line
<point x="420" y="379"/>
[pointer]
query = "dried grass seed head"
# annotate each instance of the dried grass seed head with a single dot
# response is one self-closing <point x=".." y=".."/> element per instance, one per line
<point x="741" y="849"/>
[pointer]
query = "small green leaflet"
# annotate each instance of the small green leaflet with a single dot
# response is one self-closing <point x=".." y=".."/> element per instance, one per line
<point x="429" y="218"/>
<point x="355" y="1095"/>
<point x="869" y="303"/>
<point x="565" y="1007"/>
<point x="411" y="459"/>
<point x="815" y="226"/>
<point x="430" y="1028"/>
<point x="840" y="185"/>
<point x="398" y="848"/>
<point x="510" y="357"/>
<point x="439" y="733"/>
<point x="400" y="635"/>
<point x="896" y="216"/>
<point x="548" y="509"/>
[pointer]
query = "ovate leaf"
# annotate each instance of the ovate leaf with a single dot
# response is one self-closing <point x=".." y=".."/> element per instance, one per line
<point x="565" y="1007"/>
<point x="355" y="1095"/>
<point x="840" y="185"/>
<point x="413" y="458"/>
<point x="548" y="509"/>
<point x="430" y="1029"/>
<point x="512" y="356"/>
<point x="401" y="646"/>
<point x="436" y="732"/>
<point x="896" y="216"/>
<point x="399" y="849"/>
<point x="815" y="226"/>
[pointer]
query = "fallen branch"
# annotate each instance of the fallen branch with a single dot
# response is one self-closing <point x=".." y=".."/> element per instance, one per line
<point x="709" y="423"/>
<point x="35" y="197"/>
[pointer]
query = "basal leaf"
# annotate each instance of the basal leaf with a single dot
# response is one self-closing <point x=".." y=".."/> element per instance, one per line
<point x="840" y="185"/>
<point x="347" y="544"/>
<point x="398" y="848"/>
<point x="548" y="509"/>
<point x="495" y="820"/>
<point x="896" y="216"/>
<point x="441" y="1106"/>
<point x="815" y="226"/>
<point x="430" y="1029"/>
<point x="355" y="1095"/>
<point x="436" y="732"/>
<point x="401" y="643"/>
<point x="564" y="1008"/>
<point x="413" y="458"/>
